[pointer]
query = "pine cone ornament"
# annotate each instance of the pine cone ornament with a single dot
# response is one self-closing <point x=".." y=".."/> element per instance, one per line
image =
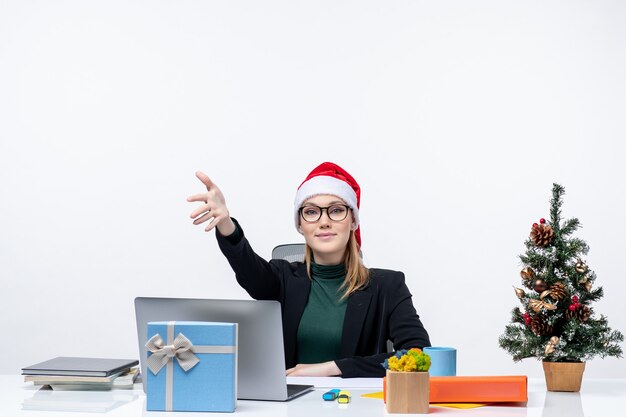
<point x="581" y="313"/>
<point x="539" y="326"/>
<point x="541" y="234"/>
<point x="556" y="292"/>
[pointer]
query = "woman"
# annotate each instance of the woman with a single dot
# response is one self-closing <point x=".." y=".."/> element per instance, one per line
<point x="337" y="314"/>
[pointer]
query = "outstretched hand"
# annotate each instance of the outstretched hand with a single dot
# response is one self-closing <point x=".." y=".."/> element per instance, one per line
<point x="213" y="210"/>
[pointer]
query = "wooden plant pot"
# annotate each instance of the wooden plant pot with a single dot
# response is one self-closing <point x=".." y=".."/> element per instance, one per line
<point x="407" y="392"/>
<point x="564" y="376"/>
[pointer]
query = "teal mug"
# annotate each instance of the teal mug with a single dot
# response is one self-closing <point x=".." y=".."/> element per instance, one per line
<point x="442" y="360"/>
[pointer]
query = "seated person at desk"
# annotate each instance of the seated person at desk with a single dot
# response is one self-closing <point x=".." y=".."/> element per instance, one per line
<point x="337" y="314"/>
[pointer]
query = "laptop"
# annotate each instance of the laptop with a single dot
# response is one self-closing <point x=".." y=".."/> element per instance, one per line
<point x="261" y="367"/>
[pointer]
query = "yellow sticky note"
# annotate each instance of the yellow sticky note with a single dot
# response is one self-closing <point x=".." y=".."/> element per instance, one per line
<point x="463" y="406"/>
<point x="377" y="395"/>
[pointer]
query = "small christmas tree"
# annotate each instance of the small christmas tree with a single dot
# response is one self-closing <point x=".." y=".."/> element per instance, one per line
<point x="556" y="322"/>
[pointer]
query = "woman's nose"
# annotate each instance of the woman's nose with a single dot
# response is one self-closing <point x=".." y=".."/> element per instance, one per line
<point x="324" y="218"/>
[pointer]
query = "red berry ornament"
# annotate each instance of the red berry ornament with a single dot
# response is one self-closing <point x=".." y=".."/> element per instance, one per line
<point x="542" y="220"/>
<point x="575" y="304"/>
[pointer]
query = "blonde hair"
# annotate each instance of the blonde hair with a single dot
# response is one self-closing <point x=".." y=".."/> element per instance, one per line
<point x="357" y="275"/>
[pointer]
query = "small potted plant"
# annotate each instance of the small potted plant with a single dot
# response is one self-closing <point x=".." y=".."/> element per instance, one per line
<point x="407" y="385"/>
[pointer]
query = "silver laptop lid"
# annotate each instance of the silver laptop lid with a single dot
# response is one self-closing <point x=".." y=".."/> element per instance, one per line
<point x="261" y="368"/>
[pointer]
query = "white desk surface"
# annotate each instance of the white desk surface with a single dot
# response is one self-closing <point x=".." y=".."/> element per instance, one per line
<point x="598" y="397"/>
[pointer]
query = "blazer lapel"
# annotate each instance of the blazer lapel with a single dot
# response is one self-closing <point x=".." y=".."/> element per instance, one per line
<point x="356" y="310"/>
<point x="299" y="290"/>
<point x="299" y="297"/>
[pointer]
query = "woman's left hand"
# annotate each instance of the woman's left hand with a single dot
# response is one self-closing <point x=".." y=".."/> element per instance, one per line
<point x="329" y="368"/>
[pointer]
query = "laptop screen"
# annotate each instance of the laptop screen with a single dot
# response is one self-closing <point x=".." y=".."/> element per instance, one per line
<point x="261" y="367"/>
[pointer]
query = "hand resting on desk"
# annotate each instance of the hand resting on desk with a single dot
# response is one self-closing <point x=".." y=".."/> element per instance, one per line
<point x="315" y="369"/>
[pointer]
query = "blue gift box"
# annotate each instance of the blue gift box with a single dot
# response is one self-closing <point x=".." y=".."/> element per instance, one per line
<point x="192" y="366"/>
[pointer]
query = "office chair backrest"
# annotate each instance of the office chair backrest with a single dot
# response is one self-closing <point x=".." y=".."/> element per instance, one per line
<point x="292" y="252"/>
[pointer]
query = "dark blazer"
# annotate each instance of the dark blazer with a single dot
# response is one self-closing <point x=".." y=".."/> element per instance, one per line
<point x="383" y="310"/>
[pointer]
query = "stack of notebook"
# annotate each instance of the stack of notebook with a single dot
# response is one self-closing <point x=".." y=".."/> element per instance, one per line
<point x="71" y="373"/>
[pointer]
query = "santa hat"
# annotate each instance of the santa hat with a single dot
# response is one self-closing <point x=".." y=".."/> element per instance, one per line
<point x="329" y="178"/>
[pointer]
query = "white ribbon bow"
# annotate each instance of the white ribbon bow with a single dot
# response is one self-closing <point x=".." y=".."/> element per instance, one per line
<point x="181" y="349"/>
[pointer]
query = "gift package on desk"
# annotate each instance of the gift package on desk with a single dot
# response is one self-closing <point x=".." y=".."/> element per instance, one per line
<point x="192" y="366"/>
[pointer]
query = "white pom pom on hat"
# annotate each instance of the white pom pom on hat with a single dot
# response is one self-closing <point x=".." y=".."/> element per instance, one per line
<point x="330" y="178"/>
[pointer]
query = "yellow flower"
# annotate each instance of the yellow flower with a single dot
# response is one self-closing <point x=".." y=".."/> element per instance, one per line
<point x="413" y="360"/>
<point x="409" y="364"/>
<point x="393" y="363"/>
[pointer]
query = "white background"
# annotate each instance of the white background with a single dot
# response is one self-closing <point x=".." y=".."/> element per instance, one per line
<point x="456" y="117"/>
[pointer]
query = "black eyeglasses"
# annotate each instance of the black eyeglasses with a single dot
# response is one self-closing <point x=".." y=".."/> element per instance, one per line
<point x="336" y="212"/>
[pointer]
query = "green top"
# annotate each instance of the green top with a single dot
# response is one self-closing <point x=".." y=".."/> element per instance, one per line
<point x="321" y="326"/>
